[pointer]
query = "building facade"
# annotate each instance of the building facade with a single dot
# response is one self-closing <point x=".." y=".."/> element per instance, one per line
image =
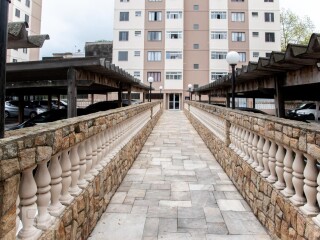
<point x="182" y="42"/>
<point x="25" y="11"/>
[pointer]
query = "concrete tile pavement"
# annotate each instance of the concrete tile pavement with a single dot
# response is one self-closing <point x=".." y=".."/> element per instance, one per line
<point x="176" y="190"/>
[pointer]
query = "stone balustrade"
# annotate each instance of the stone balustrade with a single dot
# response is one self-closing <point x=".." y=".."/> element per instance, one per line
<point x="56" y="180"/>
<point x="273" y="162"/>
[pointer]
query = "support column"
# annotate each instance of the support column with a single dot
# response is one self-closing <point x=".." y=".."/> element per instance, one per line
<point x="72" y="93"/>
<point x="279" y="101"/>
<point x="92" y="98"/>
<point x="4" y="5"/>
<point x="209" y="99"/>
<point x="129" y="96"/>
<point x="49" y="101"/>
<point x="21" y="109"/>
<point x="199" y="97"/>
<point x="253" y="102"/>
<point x="316" y="116"/>
<point x="228" y="100"/>
<point x="120" y="96"/>
<point x="143" y="97"/>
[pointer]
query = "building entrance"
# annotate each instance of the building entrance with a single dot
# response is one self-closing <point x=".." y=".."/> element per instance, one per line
<point x="174" y="101"/>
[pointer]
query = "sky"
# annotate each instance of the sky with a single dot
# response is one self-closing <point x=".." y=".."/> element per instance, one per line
<point x="71" y="23"/>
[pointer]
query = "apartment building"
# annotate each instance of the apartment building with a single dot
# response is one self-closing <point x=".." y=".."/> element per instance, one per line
<point x="182" y="42"/>
<point x="25" y="11"/>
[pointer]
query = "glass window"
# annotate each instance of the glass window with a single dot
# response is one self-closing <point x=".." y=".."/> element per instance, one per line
<point x="196" y="26"/>
<point x="136" y="74"/>
<point x="137" y="53"/>
<point x="238" y="36"/>
<point x="124" y="16"/>
<point x="123" y="56"/>
<point x="270" y="37"/>
<point x="17" y="13"/>
<point x="269" y="17"/>
<point x="219" y="35"/>
<point x="154" y="56"/>
<point x="255" y="14"/>
<point x="237" y="0"/>
<point x="155" y="0"/>
<point x="268" y="0"/>
<point x="156" y="76"/>
<point x="174" y="34"/>
<point x="123" y="36"/>
<point x="255" y="54"/>
<point x="196" y="7"/>
<point x="196" y="66"/>
<point x="14" y="60"/>
<point x="242" y="56"/>
<point x="154" y="16"/>
<point x="174" y="15"/>
<point x="217" y="75"/>
<point x="173" y="55"/>
<point x="255" y="34"/>
<point x="26" y="18"/>
<point x="137" y="33"/>
<point x="218" y="15"/>
<point x="196" y="46"/>
<point x="124" y="0"/>
<point x="28" y="3"/>
<point x="154" y="36"/>
<point x="173" y="75"/>
<point x="237" y="17"/>
<point x="138" y="13"/>
<point x="218" y="55"/>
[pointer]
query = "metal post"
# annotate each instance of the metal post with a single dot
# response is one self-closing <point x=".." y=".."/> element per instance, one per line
<point x="72" y="93"/>
<point x="3" y="59"/>
<point x="233" y="85"/>
<point x="150" y="92"/>
<point x="129" y="96"/>
<point x="190" y="94"/>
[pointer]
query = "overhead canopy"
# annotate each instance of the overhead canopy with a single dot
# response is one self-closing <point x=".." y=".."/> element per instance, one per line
<point x="257" y="78"/>
<point x="93" y="75"/>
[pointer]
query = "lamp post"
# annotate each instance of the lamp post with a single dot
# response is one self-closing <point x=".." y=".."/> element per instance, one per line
<point x="160" y="88"/>
<point x="150" y="80"/>
<point x="232" y="59"/>
<point x="190" y="87"/>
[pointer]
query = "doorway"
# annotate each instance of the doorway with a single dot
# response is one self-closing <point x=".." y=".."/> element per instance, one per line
<point x="174" y="101"/>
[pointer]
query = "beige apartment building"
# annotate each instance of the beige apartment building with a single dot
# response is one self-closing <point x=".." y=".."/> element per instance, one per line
<point x="182" y="42"/>
<point x="25" y="11"/>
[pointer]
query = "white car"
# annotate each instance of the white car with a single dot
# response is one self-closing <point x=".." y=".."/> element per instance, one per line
<point x="310" y="112"/>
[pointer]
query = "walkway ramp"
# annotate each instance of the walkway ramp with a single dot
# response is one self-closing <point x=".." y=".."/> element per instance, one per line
<point x="177" y="190"/>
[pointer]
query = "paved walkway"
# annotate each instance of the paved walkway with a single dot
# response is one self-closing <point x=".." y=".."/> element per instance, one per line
<point x="177" y="190"/>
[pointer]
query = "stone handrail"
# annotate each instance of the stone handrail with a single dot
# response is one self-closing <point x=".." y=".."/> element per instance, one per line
<point x="45" y="170"/>
<point x="279" y="154"/>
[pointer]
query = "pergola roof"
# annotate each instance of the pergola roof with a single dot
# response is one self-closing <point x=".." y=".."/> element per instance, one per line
<point x="18" y="37"/>
<point x="294" y="58"/>
<point x="94" y="75"/>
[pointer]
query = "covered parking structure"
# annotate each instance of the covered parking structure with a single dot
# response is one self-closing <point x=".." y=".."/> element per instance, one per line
<point x="290" y="75"/>
<point x="69" y="77"/>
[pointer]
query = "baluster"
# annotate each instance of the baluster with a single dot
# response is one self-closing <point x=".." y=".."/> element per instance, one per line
<point x="94" y="170"/>
<point x="265" y="159"/>
<point x="260" y="145"/>
<point x="99" y="149"/>
<point x="280" y="184"/>
<point x="287" y="174"/>
<point x="241" y="152"/>
<point x="250" y="139"/>
<point x="55" y="208"/>
<point x="28" y="198"/>
<point x="82" y="183"/>
<point x="310" y="187"/>
<point x="298" y="165"/>
<point x="317" y="218"/>
<point x="74" y="189"/>
<point x="103" y="148"/>
<point x="17" y="214"/>
<point x="237" y="129"/>
<point x="89" y="168"/>
<point x="65" y="197"/>
<point x="43" y="179"/>
<point x="254" y="150"/>
<point x="272" y="163"/>
<point x="245" y="154"/>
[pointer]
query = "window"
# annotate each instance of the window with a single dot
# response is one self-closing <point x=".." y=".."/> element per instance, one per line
<point x="242" y="56"/>
<point x="124" y="16"/>
<point x="123" y="36"/>
<point x="137" y="33"/>
<point x="26" y="18"/>
<point x="196" y="26"/>
<point x="17" y="13"/>
<point x="269" y="37"/>
<point x="14" y="60"/>
<point x="268" y="55"/>
<point x="196" y="7"/>
<point x="155" y="0"/>
<point x="269" y="17"/>
<point x="237" y="17"/>
<point x="138" y="13"/>
<point x="136" y="53"/>
<point x="237" y="0"/>
<point x="218" y="15"/>
<point x="196" y="46"/>
<point x="173" y="55"/>
<point x="136" y="74"/>
<point x="173" y="75"/>
<point x="255" y="54"/>
<point x="25" y="50"/>
<point x="217" y="75"/>
<point x="154" y="16"/>
<point x="174" y="15"/>
<point x="124" y="0"/>
<point x="123" y="55"/>
<point x="255" y="14"/>
<point x="154" y="36"/>
<point x="218" y="35"/>
<point x="218" y="55"/>
<point x="28" y="3"/>
<point x="255" y="34"/>
<point x="268" y="0"/>
<point x="156" y="76"/>
<point x="196" y="66"/>
<point x="238" y="37"/>
<point x="154" y="56"/>
<point x="174" y="34"/>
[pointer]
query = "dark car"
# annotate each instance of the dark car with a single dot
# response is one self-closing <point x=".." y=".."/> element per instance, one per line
<point x="102" y="106"/>
<point x="251" y="110"/>
<point x="49" y="116"/>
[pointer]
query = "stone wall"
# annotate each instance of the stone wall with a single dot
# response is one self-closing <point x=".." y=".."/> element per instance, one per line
<point x="24" y="149"/>
<point x="282" y="219"/>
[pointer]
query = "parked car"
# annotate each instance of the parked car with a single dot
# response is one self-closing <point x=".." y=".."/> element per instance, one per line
<point x="308" y="112"/>
<point x="125" y="102"/>
<point x="251" y="110"/>
<point x="12" y="109"/>
<point x="293" y="112"/>
<point x="43" y="105"/>
<point x="48" y="116"/>
<point x="102" y="106"/>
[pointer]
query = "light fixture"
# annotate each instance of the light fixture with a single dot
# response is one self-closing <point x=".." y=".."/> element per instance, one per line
<point x="160" y="88"/>
<point x="150" y="80"/>
<point x="233" y="58"/>
<point x="190" y="87"/>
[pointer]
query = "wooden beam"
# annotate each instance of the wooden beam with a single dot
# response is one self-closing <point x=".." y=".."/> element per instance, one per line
<point x="278" y="97"/>
<point x="72" y="93"/>
<point x="46" y="83"/>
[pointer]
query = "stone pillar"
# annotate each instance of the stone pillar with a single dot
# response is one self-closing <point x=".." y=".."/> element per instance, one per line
<point x="279" y="101"/>
<point x="129" y="96"/>
<point x="72" y="93"/>
<point x="120" y="96"/>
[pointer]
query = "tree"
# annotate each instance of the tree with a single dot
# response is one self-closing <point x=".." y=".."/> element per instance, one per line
<point x="295" y="29"/>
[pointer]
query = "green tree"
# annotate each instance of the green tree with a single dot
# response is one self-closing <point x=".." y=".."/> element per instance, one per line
<point x="295" y="29"/>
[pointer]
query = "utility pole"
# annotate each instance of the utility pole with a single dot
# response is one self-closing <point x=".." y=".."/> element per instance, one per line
<point x="4" y="6"/>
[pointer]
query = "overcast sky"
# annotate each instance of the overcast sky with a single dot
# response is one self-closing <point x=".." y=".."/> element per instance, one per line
<point x="71" y="23"/>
